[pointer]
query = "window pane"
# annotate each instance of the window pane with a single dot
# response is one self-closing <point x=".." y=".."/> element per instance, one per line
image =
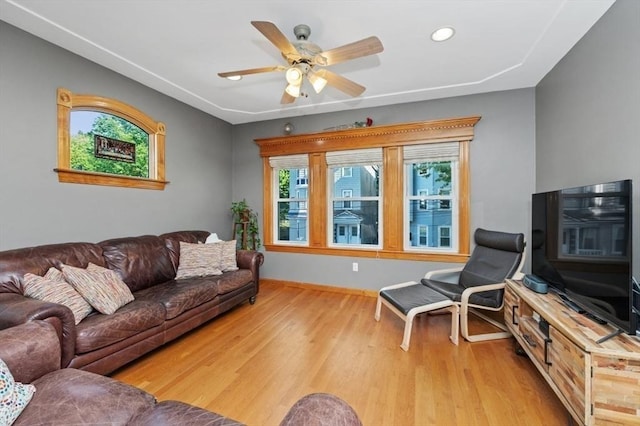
<point x="106" y="143"/>
<point x="355" y="204"/>
<point x="292" y="205"/>
<point x="425" y="224"/>
<point x="430" y="178"/>
<point x="429" y="204"/>
<point x="292" y="222"/>
<point x="361" y="182"/>
<point x="357" y="225"/>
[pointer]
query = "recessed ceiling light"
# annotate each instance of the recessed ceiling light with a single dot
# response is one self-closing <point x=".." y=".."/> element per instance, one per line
<point x="234" y="77"/>
<point x="442" y="34"/>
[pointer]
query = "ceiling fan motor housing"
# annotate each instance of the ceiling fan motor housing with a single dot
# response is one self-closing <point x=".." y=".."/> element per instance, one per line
<point x="302" y="32"/>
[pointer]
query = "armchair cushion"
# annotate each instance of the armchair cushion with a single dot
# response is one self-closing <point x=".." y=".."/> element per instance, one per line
<point x="179" y="413"/>
<point x="79" y="397"/>
<point x="496" y="256"/>
<point x="321" y="409"/>
<point x="454" y="292"/>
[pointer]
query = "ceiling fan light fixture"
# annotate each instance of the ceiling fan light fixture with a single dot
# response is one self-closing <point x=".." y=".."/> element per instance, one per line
<point x="317" y="82"/>
<point x="294" y="76"/>
<point x="443" y="34"/>
<point x="293" y="90"/>
<point x="234" y="77"/>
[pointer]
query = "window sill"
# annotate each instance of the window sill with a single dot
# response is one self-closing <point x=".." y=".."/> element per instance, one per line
<point x="380" y="254"/>
<point x="94" y="178"/>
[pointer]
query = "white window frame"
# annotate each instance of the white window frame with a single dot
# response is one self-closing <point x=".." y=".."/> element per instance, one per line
<point x="347" y="172"/>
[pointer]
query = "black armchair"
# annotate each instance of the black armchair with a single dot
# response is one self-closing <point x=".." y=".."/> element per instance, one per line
<point x="479" y="284"/>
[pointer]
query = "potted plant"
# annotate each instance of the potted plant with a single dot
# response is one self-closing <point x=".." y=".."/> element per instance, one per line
<point x="245" y="225"/>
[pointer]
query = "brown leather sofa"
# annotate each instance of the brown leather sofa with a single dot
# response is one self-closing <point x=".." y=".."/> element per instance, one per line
<point x="69" y="396"/>
<point x="163" y="309"/>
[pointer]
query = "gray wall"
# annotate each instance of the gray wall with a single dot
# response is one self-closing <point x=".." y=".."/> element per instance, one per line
<point x="502" y="179"/>
<point x="587" y="111"/>
<point x="36" y="209"/>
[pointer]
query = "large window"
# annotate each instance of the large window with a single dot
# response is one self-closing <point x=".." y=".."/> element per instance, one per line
<point x="103" y="141"/>
<point x="396" y="192"/>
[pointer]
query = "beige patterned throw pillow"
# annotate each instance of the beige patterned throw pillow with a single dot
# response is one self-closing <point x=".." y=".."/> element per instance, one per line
<point x="228" y="258"/>
<point x="198" y="260"/>
<point x="54" y="289"/>
<point x="102" y="288"/>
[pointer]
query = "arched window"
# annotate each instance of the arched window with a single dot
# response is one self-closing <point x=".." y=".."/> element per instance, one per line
<point x="103" y="141"/>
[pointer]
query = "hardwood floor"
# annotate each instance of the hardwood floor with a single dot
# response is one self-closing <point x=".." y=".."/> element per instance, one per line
<point x="254" y="362"/>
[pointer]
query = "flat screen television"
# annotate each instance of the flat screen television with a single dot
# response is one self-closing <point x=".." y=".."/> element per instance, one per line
<point x="581" y="246"/>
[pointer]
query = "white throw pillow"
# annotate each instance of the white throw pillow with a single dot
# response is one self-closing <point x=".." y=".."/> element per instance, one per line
<point x="212" y="238"/>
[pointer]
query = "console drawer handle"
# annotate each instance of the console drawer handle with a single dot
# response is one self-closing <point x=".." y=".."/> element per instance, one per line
<point x="547" y="343"/>
<point x="513" y="314"/>
<point x="529" y="340"/>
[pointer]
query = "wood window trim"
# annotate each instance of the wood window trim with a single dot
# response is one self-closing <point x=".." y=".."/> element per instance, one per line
<point x="67" y="101"/>
<point x="391" y="139"/>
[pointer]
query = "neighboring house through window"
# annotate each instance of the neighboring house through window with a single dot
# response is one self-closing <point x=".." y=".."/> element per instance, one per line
<point x="430" y="169"/>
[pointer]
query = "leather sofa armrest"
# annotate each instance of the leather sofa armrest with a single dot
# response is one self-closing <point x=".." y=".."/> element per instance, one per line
<point x="250" y="259"/>
<point x="16" y="309"/>
<point x="30" y="350"/>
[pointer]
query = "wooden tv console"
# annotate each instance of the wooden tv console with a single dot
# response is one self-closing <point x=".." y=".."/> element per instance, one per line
<point x="599" y="383"/>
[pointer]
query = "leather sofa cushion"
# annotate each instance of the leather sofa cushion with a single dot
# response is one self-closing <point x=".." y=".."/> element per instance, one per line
<point x="179" y="413"/>
<point x="141" y="261"/>
<point x="230" y="281"/>
<point x="78" y="397"/>
<point x="181" y="295"/>
<point x="98" y="330"/>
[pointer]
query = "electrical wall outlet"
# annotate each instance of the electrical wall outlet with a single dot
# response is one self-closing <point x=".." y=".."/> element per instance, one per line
<point x="354" y="266"/>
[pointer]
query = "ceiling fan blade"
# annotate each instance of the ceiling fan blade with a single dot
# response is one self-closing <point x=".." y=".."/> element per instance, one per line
<point x="287" y="98"/>
<point x="275" y="36"/>
<point x="357" y="49"/>
<point x="341" y="83"/>
<point x="252" y="71"/>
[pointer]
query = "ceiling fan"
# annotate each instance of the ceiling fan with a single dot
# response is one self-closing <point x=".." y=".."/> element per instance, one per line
<point x="305" y="60"/>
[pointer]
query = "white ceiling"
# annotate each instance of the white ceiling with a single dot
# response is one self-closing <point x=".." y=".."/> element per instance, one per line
<point x="178" y="46"/>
